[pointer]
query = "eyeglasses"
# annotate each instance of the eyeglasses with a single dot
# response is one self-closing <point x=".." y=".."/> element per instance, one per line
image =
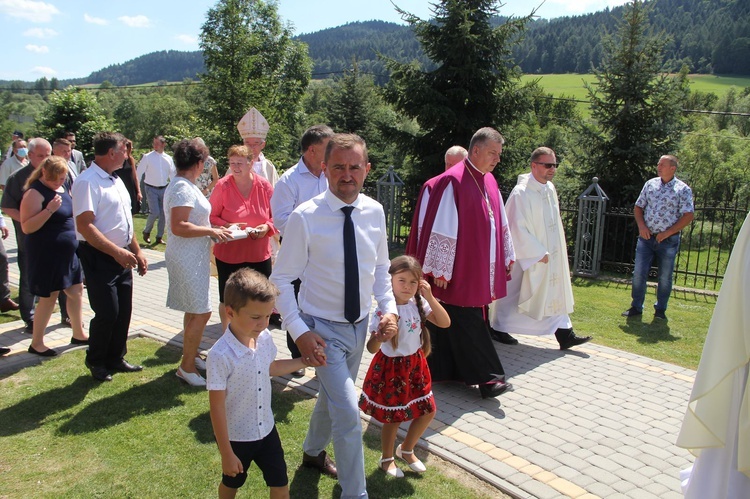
<point x="547" y="165"/>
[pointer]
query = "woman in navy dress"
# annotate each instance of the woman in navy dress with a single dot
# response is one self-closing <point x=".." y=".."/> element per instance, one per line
<point x="47" y="221"/>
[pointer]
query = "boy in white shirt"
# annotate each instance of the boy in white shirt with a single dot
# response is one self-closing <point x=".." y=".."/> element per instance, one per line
<point x="238" y="370"/>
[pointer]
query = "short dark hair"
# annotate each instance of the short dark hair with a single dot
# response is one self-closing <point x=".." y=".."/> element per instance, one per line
<point x="541" y="151"/>
<point x="104" y="141"/>
<point x="61" y="142"/>
<point x="188" y="153"/>
<point x="315" y="135"/>
<point x="246" y="285"/>
<point x="485" y="134"/>
<point x="346" y="141"/>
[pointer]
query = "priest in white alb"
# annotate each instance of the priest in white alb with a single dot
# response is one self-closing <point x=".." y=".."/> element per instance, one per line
<point x="716" y="427"/>
<point x="540" y="295"/>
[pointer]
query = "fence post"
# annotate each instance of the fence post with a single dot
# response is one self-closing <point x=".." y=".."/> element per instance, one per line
<point x="590" y="231"/>
<point x="389" y="195"/>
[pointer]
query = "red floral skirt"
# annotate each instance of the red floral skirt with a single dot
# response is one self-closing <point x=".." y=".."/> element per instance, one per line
<point x="397" y="389"/>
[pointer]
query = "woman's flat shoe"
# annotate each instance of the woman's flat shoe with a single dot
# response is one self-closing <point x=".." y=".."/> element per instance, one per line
<point x="46" y="353"/>
<point x="76" y="341"/>
<point x="394" y="472"/>
<point x="419" y="467"/>
<point x="192" y="379"/>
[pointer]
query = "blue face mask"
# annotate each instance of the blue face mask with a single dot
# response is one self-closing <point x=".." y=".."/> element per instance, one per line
<point x="22" y="152"/>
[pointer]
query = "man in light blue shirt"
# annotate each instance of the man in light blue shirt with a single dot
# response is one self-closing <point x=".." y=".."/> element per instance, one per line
<point x="301" y="182"/>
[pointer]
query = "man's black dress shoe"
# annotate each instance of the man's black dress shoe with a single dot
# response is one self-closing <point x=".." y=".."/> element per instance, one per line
<point x="43" y="353"/>
<point x="159" y="240"/>
<point x="29" y="327"/>
<point x="659" y="314"/>
<point x="321" y="462"/>
<point x="298" y="373"/>
<point x="494" y="389"/>
<point x="100" y="373"/>
<point x="502" y="337"/>
<point x="4" y="350"/>
<point x="147" y="237"/>
<point x="567" y="338"/>
<point x="125" y="367"/>
<point x="632" y="312"/>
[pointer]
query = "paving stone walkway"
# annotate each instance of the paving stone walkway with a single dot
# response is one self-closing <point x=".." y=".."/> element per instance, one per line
<point x="590" y="422"/>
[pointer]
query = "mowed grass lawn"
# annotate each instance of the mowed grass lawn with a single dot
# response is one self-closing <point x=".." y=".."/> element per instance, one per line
<point x="148" y="435"/>
<point x="678" y="341"/>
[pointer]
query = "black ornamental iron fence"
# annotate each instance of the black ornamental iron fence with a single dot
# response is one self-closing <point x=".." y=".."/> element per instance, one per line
<point x="704" y="249"/>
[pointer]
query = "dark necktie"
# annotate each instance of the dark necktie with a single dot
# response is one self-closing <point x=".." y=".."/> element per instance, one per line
<point x="351" y="268"/>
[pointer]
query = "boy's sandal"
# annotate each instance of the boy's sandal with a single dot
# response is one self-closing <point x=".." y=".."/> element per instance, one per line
<point x="395" y="472"/>
<point x="417" y="466"/>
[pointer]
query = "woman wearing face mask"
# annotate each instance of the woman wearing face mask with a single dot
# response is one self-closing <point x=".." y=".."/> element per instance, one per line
<point x="15" y="161"/>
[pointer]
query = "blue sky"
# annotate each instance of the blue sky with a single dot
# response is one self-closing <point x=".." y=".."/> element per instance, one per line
<point x="72" y="38"/>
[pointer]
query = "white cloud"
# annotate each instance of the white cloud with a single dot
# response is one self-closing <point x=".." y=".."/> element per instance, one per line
<point x="186" y="39"/>
<point x="95" y="20"/>
<point x="44" y="70"/>
<point x="35" y="12"/>
<point x="39" y="49"/>
<point x="40" y="32"/>
<point x="139" y="21"/>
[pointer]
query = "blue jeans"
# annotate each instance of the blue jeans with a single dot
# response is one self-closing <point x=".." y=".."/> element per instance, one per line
<point x="665" y="253"/>
<point x="156" y="209"/>
<point x="336" y="413"/>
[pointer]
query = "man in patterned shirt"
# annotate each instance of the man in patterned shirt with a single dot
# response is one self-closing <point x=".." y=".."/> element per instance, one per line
<point x="663" y="209"/>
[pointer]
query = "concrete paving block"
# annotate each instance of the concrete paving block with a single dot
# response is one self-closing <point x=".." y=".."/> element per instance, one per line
<point x="474" y="456"/>
<point x="539" y="490"/>
<point x="601" y="490"/>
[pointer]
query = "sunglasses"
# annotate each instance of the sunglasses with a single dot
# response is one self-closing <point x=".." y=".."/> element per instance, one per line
<point x="548" y="165"/>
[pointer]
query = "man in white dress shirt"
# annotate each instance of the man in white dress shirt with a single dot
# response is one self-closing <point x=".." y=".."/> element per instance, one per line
<point x="323" y="317"/>
<point x="301" y="182"/>
<point x="108" y="253"/>
<point x="540" y="295"/>
<point x="156" y="169"/>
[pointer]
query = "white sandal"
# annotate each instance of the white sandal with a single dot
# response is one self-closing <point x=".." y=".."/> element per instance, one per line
<point x="192" y="379"/>
<point x="394" y="472"/>
<point x="419" y="467"/>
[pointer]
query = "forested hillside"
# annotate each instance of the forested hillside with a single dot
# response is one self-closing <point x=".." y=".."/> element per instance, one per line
<point x="709" y="36"/>
<point x="167" y="65"/>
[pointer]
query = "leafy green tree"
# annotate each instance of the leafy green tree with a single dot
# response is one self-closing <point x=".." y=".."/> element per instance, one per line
<point x="74" y="110"/>
<point x="636" y="107"/>
<point x="251" y="60"/>
<point x="475" y="83"/>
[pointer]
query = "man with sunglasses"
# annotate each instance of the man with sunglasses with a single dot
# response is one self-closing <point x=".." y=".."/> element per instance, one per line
<point x="540" y="295"/>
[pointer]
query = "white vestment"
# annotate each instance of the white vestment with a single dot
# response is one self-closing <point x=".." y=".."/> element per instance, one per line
<point x="540" y="295"/>
<point x="716" y="427"/>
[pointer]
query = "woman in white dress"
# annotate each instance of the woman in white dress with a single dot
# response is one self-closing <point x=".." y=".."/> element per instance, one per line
<point x="188" y="251"/>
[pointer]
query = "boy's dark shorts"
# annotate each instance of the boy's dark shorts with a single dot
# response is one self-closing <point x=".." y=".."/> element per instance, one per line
<point x="267" y="455"/>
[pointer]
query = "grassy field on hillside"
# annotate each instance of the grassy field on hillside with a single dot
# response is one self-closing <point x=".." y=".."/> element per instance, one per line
<point x="571" y="85"/>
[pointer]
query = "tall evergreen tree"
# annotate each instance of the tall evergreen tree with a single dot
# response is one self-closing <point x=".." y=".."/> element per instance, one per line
<point x="636" y="107"/>
<point x="251" y="60"/>
<point x="475" y="83"/>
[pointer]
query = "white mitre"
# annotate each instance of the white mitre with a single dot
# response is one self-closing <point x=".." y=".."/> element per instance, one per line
<point x="253" y="125"/>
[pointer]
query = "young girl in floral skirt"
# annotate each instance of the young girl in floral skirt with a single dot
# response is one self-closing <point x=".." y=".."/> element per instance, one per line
<point x="398" y="385"/>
